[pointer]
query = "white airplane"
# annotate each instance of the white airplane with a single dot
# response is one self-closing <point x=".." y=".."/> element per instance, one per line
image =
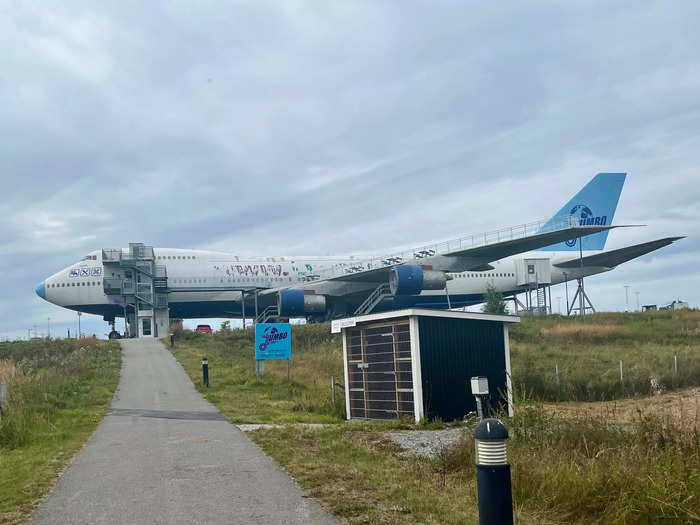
<point x="185" y="284"/>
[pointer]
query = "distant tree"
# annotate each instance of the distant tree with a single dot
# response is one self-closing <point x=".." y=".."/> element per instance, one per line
<point x="494" y="302"/>
<point x="226" y="326"/>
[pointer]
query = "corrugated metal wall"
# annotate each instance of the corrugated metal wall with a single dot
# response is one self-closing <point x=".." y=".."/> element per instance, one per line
<point x="452" y="351"/>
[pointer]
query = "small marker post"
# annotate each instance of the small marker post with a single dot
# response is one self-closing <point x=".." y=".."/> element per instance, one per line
<point x="622" y="376"/>
<point x="480" y="389"/>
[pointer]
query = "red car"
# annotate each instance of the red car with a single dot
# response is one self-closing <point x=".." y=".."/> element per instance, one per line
<point x="204" y="328"/>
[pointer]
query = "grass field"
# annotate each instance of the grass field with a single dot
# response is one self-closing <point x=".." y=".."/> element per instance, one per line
<point x="588" y="355"/>
<point x="569" y="466"/>
<point x="59" y="391"/>
<point x="272" y="399"/>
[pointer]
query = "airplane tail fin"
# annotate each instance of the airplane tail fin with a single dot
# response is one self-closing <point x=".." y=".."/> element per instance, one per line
<point x="594" y="204"/>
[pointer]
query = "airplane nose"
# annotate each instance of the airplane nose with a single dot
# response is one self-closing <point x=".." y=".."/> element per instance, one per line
<point x="41" y="290"/>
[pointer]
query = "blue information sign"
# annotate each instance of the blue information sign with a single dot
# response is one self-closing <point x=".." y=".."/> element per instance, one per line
<point x="273" y="341"/>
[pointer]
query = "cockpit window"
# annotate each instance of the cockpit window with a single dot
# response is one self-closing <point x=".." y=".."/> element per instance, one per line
<point x="89" y="258"/>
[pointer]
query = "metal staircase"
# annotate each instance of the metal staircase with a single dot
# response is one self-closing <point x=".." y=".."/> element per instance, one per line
<point x="140" y="283"/>
<point x="267" y="314"/>
<point x="541" y="300"/>
<point x="377" y="296"/>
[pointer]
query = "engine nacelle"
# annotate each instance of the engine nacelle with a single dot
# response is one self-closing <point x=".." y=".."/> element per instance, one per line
<point x="409" y="279"/>
<point x="294" y="303"/>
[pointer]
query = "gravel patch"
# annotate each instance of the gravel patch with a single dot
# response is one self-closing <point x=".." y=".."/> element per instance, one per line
<point x="426" y="443"/>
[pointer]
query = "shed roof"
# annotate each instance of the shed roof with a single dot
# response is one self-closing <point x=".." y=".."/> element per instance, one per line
<point x="339" y="324"/>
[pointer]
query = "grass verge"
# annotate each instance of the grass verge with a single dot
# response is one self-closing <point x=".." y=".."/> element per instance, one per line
<point x="58" y="393"/>
<point x="564" y="471"/>
<point x="235" y="390"/>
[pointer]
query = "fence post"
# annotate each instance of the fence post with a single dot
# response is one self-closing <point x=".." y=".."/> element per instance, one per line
<point x="3" y="395"/>
<point x="621" y="373"/>
<point x="675" y="364"/>
<point x="556" y="372"/>
<point x="333" y="389"/>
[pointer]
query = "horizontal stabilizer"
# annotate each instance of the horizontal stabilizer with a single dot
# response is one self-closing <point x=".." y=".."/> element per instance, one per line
<point x="616" y="257"/>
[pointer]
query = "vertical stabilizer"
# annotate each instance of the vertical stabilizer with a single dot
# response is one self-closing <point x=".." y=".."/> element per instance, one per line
<point x="594" y="204"/>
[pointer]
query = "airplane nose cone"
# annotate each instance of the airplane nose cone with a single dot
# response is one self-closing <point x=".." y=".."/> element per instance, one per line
<point x="41" y="290"/>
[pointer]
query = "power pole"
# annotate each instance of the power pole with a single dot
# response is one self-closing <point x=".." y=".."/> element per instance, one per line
<point x="627" y="298"/>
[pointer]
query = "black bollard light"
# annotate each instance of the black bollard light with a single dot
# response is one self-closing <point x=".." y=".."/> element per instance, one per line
<point x="205" y="371"/>
<point x="493" y="473"/>
<point x="172" y="340"/>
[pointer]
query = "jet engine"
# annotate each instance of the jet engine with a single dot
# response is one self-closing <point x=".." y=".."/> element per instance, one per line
<point x="294" y="303"/>
<point x="408" y="279"/>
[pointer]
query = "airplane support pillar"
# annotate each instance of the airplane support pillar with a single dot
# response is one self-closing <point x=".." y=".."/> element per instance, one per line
<point x="256" y="306"/>
<point x="243" y="307"/>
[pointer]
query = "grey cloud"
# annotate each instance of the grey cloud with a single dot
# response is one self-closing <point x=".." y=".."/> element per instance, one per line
<point x="337" y="127"/>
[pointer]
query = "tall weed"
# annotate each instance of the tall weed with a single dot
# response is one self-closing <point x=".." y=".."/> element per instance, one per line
<point x="43" y="377"/>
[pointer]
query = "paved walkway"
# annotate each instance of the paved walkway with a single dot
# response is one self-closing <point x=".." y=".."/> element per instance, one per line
<point x="163" y="454"/>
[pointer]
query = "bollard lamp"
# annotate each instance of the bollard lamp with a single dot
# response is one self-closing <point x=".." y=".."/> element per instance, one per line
<point x="493" y="473"/>
<point x="490" y="440"/>
<point x="205" y="372"/>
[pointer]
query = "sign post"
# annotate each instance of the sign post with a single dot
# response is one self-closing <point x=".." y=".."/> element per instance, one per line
<point x="272" y="341"/>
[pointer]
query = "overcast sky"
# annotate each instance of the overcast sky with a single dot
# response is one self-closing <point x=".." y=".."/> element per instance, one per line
<point x="329" y="128"/>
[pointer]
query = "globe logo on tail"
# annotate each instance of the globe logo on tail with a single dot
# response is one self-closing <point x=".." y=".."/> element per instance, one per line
<point x="585" y="218"/>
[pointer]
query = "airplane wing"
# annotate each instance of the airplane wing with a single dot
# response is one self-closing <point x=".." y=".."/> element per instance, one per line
<point x="365" y="277"/>
<point x="430" y="267"/>
<point x="475" y="258"/>
<point x="500" y="250"/>
<point x="613" y="258"/>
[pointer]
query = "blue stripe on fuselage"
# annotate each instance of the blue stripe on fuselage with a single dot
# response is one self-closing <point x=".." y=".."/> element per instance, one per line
<point x="225" y="309"/>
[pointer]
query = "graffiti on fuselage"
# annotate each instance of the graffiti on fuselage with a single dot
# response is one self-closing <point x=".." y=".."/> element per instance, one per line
<point x="252" y="270"/>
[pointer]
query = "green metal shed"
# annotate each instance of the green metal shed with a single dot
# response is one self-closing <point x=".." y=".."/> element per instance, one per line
<point x="418" y="362"/>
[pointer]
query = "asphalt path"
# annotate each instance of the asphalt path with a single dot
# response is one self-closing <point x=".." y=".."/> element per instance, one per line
<point x="163" y="454"/>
